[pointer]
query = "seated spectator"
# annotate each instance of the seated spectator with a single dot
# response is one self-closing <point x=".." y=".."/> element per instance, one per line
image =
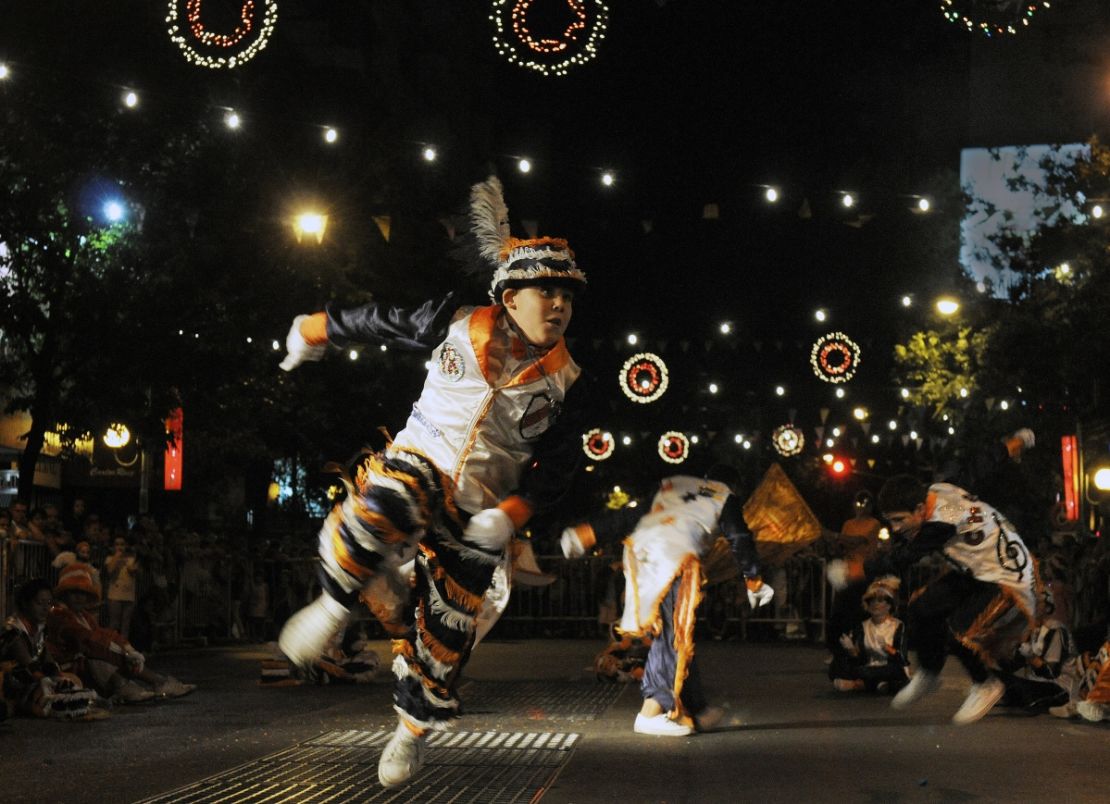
<point x="80" y="552"/>
<point x="873" y="656"/>
<point x="1044" y="667"/>
<point x="31" y="683"/>
<point x="20" y="528"/>
<point x="101" y="657"/>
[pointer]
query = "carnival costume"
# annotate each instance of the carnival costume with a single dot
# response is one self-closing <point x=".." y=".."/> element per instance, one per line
<point x="423" y="536"/>
<point x="663" y="582"/>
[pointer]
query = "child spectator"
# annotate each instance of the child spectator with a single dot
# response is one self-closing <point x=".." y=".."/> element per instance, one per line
<point x="121" y="569"/>
<point x="101" y="657"/>
<point x="872" y="656"/>
<point x="31" y="682"/>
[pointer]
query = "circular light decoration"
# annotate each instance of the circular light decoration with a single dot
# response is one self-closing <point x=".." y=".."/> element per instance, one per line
<point x="582" y="23"/>
<point x="598" y="444"/>
<point x="644" y="377"/>
<point x="992" y="17"/>
<point x="216" y="50"/>
<point x="788" y="440"/>
<point x="835" y="357"/>
<point x="674" y="447"/>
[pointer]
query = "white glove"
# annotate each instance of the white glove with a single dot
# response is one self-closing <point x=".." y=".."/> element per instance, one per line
<point x="1026" y="649"/>
<point x="490" y="529"/>
<point x="1028" y="439"/>
<point x="571" y="544"/>
<point x="298" y="349"/>
<point x="837" y="573"/>
<point x="760" y="596"/>
<point x="134" y="658"/>
<point x="847" y="643"/>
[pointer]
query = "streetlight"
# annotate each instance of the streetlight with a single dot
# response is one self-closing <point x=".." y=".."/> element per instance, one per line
<point x="1101" y="478"/>
<point x="310" y="223"/>
<point x="946" y="305"/>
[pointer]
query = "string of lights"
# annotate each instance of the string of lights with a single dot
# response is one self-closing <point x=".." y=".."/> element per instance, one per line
<point x="217" y="51"/>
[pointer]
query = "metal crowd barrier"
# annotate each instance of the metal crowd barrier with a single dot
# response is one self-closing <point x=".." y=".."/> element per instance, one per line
<point x="21" y="561"/>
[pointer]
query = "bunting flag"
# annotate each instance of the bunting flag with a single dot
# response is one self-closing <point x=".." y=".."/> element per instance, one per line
<point x="384" y="223"/>
<point x="174" y="461"/>
<point x="779" y="517"/>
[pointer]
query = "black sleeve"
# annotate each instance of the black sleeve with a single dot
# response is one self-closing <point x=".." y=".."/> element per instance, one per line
<point x="735" y="529"/>
<point x="420" y="329"/>
<point x="930" y="538"/>
<point x="558" y="454"/>
<point x="900" y="658"/>
<point x="612" y="527"/>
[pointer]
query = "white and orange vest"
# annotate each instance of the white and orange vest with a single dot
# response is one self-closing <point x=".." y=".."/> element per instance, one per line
<point x="479" y="430"/>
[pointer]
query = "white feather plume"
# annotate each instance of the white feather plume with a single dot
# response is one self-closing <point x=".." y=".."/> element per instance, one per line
<point x="489" y="218"/>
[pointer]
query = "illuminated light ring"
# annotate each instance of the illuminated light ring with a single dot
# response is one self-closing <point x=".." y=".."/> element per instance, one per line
<point x="644" y="377"/>
<point x="674" y="447"/>
<point x="991" y="17"/>
<point x="598" y="444"/>
<point x="788" y="440"/>
<point x="835" y="343"/>
<point x="195" y="28"/>
<point x="515" y="41"/>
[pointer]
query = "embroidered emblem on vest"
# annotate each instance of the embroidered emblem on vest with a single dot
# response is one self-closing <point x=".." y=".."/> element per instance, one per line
<point x="538" y="416"/>
<point x="451" y="364"/>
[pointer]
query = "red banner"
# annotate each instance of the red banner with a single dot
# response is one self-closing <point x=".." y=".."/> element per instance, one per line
<point x="175" y="428"/>
<point x="1069" y="454"/>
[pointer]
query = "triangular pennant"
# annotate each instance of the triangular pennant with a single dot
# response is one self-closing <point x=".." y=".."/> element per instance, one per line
<point x="531" y="227"/>
<point x="852" y="461"/>
<point x="790" y="414"/>
<point x="385" y="223"/>
<point x="711" y="212"/>
<point x="866" y="427"/>
<point x="804" y="211"/>
<point x="820" y="433"/>
<point x="919" y="441"/>
<point x="870" y="463"/>
<point x="905" y="439"/>
<point x="989" y="402"/>
<point x="824" y="415"/>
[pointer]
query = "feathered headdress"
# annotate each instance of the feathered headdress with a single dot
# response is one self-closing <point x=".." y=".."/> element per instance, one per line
<point x="887" y="586"/>
<point x="515" y="262"/>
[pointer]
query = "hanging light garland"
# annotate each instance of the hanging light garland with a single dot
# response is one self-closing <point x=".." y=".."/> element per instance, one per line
<point x="515" y="40"/>
<point x="835" y="357"/>
<point x="644" y="377"/>
<point x="217" y="44"/>
<point x="992" y="17"/>
<point x="598" y="444"/>
<point x="788" y="440"/>
<point x="674" y="447"/>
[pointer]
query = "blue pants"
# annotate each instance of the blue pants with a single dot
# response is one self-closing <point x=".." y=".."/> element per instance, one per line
<point x="662" y="659"/>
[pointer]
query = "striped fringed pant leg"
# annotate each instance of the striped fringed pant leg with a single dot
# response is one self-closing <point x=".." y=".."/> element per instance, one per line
<point x="400" y="506"/>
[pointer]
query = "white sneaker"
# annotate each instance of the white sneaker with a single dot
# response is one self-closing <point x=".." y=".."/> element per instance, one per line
<point x="172" y="688"/>
<point x="980" y="700"/>
<point x="308" y="631"/>
<point x="1067" y="710"/>
<point x="132" y="693"/>
<point x="661" y="726"/>
<point x="401" y="758"/>
<point x="921" y="684"/>
<point x="1092" y="711"/>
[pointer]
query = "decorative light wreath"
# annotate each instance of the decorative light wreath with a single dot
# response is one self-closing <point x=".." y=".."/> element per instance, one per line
<point x="835" y="357"/>
<point x="674" y="447"/>
<point x="788" y="440"/>
<point x="992" y="17"/>
<point x="644" y="377"/>
<point x="516" y="42"/>
<point x="598" y="444"/>
<point x="249" y="23"/>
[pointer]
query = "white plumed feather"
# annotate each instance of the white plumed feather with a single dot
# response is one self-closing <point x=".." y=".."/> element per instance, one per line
<point x="489" y="218"/>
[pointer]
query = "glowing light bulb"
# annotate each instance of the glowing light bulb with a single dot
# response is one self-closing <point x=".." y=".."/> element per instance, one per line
<point x="5" y="72"/>
<point x="353" y="354"/>
<point x="772" y="195"/>
<point x="626" y="440"/>
<point x="232" y="120"/>
<point x="114" y="211"/>
<point x="331" y="136"/>
<point x="1096" y="211"/>
<point x="430" y="155"/>
<point x="947" y="305"/>
<point x="607" y="179"/>
<point x="907" y="301"/>
<point x="524" y="165"/>
<point x="840" y="393"/>
<point x="779" y="390"/>
<point x="923" y="204"/>
<point x="632" y="338"/>
<point x="820" y="315"/>
<point x="726" y="328"/>
<point x="713" y="388"/>
<point x="848" y="200"/>
<point x="130" y="99"/>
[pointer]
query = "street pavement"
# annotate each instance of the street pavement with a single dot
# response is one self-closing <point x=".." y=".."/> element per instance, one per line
<point x="787" y="737"/>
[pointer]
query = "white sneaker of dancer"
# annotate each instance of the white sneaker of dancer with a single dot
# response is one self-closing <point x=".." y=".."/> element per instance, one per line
<point x="1092" y="711"/>
<point x="921" y="684"/>
<point x="306" y="633"/>
<point x="660" y="726"/>
<point x="401" y="758"/>
<point x="980" y="700"/>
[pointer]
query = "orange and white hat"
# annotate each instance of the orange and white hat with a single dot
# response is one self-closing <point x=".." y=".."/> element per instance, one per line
<point x="517" y="263"/>
<point x="78" y="577"/>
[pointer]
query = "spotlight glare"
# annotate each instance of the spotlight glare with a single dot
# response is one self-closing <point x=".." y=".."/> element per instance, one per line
<point x="524" y="165"/>
<point x="780" y="390"/>
<point x="130" y="99"/>
<point x="907" y="301"/>
<point x="607" y="179"/>
<point x="5" y="72"/>
<point x="114" y="211"/>
<point x="772" y="195"/>
<point x="430" y="155"/>
<point x="331" y="136"/>
<point x="923" y="204"/>
<point x="848" y="200"/>
<point x="232" y="120"/>
<point x="1096" y="211"/>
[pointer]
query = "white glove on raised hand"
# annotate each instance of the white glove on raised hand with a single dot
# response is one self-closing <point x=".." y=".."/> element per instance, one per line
<point x="571" y="544"/>
<point x="847" y="643"/>
<point x="490" y="529"/>
<point x="298" y="349"/>
<point x="837" y="573"/>
<point x="760" y="596"/>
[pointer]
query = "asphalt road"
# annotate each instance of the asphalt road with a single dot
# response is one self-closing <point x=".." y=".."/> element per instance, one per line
<point x="788" y="736"/>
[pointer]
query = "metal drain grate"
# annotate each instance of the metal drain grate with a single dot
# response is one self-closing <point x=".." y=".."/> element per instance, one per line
<point x="539" y="700"/>
<point x="342" y="766"/>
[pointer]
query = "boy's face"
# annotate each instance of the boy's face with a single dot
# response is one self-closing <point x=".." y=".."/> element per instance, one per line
<point x="541" y="312"/>
<point x="906" y="523"/>
<point x="39" y="606"/>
